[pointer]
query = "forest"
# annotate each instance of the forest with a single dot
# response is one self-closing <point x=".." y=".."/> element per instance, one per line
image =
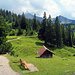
<point x="53" y="34"/>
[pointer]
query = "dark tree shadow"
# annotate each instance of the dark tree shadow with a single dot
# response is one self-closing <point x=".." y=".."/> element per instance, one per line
<point x="39" y="43"/>
<point x="37" y="57"/>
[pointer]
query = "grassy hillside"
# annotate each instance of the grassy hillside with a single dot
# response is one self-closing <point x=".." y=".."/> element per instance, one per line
<point x="62" y="63"/>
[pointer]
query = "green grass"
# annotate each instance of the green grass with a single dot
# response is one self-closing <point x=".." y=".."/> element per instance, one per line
<point x="62" y="63"/>
<point x="12" y="37"/>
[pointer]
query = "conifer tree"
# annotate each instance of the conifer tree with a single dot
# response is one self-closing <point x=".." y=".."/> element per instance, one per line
<point x="63" y="35"/>
<point x="35" y="24"/>
<point x="72" y="36"/>
<point x="41" y="34"/>
<point x="23" y="22"/>
<point x="3" y="31"/>
<point x="3" y="34"/>
<point x="50" y="33"/>
<point x="16" y="23"/>
<point x="58" y="33"/>
<point x="69" y="36"/>
<point x="19" y="31"/>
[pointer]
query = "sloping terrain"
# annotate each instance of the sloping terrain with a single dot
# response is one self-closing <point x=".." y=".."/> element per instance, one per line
<point x="5" y="69"/>
<point x="62" y="63"/>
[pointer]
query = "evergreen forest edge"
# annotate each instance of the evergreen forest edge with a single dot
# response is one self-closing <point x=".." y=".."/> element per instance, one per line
<point x="54" y="34"/>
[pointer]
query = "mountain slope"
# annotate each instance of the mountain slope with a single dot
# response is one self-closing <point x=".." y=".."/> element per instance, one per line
<point x="30" y="16"/>
<point x="62" y="19"/>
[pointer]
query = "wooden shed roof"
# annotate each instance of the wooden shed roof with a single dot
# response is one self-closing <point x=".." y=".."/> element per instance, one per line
<point x="42" y="50"/>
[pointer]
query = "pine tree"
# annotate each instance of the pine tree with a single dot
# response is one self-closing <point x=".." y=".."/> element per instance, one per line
<point x="69" y="36"/>
<point x="58" y="33"/>
<point x="19" y="19"/>
<point x="50" y="33"/>
<point x="23" y="22"/>
<point x="3" y="32"/>
<point x="19" y="31"/>
<point x="72" y="36"/>
<point x="16" y="23"/>
<point x="35" y="24"/>
<point x="10" y="16"/>
<point x="41" y="34"/>
<point x="63" y="35"/>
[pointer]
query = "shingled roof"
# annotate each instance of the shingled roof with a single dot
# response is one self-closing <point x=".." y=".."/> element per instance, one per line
<point x="42" y="50"/>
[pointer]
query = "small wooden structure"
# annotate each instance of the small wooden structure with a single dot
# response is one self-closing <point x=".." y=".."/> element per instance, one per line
<point x="24" y="64"/>
<point x="44" y="52"/>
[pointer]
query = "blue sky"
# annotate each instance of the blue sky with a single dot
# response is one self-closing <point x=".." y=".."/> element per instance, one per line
<point x="53" y="7"/>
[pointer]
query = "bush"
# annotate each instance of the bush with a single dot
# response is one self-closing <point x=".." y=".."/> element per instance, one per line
<point x="16" y="31"/>
<point x="8" y="47"/>
<point x="12" y="53"/>
<point x="24" y="32"/>
<point x="30" y="33"/>
<point x="5" y="47"/>
<point x="12" y="32"/>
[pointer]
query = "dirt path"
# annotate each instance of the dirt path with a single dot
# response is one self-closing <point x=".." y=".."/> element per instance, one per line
<point x="14" y="39"/>
<point x="19" y="38"/>
<point x="5" y="69"/>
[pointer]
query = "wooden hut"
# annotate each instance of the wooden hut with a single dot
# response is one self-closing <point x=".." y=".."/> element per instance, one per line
<point x="44" y="52"/>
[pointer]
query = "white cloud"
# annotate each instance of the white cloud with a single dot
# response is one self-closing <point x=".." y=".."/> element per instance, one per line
<point x="68" y="7"/>
<point x="52" y="7"/>
<point x="38" y="7"/>
<point x="73" y="14"/>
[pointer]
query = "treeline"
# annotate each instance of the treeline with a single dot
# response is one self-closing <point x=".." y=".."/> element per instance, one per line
<point x="13" y="24"/>
<point x="4" y="46"/>
<point x="19" y="24"/>
<point x="55" y="34"/>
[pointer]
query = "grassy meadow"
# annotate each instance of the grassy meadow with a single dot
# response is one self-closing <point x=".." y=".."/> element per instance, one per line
<point x="62" y="63"/>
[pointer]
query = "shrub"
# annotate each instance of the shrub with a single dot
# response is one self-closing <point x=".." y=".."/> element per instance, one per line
<point x="24" y="32"/>
<point x="5" y="47"/>
<point x="12" y="32"/>
<point x="12" y="53"/>
<point x="8" y="47"/>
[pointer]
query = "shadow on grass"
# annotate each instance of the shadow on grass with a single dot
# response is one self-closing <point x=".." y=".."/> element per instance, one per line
<point x="39" y="43"/>
<point x="16" y="62"/>
<point x="21" y="67"/>
<point x="37" y="57"/>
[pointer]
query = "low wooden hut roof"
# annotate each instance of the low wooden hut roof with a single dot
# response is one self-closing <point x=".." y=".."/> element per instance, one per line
<point x="42" y="50"/>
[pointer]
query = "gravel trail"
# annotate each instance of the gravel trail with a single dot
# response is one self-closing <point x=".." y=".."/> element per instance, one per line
<point x="5" y="69"/>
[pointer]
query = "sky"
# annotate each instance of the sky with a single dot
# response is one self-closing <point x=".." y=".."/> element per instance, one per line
<point x="54" y="8"/>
